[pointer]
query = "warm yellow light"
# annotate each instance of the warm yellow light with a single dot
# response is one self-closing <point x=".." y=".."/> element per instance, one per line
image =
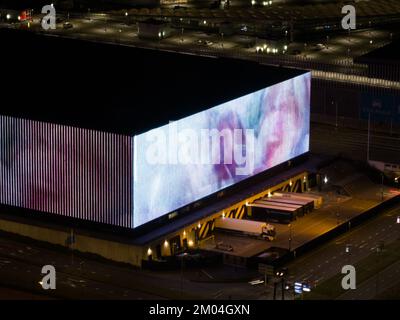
<point x="190" y="243"/>
<point x="149" y="252"/>
<point x="166" y="243"/>
<point x="199" y="225"/>
<point x="184" y="233"/>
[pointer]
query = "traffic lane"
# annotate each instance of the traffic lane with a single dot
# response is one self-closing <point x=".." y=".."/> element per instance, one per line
<point x="379" y="283"/>
<point x="86" y="274"/>
<point x="21" y="274"/>
<point x="163" y="284"/>
<point x="358" y="241"/>
<point x="328" y="260"/>
<point x="15" y="294"/>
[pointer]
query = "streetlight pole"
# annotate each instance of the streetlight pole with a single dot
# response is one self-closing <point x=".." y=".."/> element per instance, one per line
<point x="368" y="136"/>
<point x="336" y="124"/>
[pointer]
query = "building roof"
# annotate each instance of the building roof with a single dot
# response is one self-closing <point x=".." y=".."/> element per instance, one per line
<point x="117" y="88"/>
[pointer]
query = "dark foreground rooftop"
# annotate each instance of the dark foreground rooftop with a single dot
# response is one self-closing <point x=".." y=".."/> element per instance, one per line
<point x="115" y="88"/>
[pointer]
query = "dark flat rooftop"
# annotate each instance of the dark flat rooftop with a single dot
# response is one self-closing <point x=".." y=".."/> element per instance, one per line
<point x="116" y="88"/>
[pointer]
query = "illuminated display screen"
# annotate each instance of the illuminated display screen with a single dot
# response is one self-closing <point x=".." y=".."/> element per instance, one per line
<point x="67" y="171"/>
<point x="128" y="181"/>
<point x="191" y="158"/>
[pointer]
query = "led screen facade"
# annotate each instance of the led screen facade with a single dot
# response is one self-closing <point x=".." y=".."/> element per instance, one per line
<point x="128" y="181"/>
<point x="64" y="170"/>
<point x="191" y="158"/>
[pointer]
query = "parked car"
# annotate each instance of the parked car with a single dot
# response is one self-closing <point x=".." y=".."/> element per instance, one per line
<point x="204" y="42"/>
<point x="67" y="25"/>
<point x="319" y="46"/>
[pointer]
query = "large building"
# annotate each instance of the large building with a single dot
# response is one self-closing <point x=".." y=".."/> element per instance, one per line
<point x="138" y="157"/>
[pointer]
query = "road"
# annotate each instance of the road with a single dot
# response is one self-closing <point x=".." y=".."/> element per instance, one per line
<point x="335" y="59"/>
<point x="327" y="261"/>
<point x="86" y="278"/>
<point x="379" y="283"/>
<point x="83" y="277"/>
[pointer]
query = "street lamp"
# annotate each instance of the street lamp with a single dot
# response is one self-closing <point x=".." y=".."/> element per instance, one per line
<point x="325" y="179"/>
<point x="127" y="17"/>
<point x="348" y="251"/>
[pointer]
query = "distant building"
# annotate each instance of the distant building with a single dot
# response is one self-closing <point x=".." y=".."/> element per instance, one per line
<point x="154" y="29"/>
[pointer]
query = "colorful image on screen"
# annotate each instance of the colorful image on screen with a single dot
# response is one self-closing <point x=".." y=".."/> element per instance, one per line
<point x="67" y="171"/>
<point x="191" y="158"/>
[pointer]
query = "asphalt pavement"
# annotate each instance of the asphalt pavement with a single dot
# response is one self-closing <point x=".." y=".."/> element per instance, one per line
<point x="328" y="260"/>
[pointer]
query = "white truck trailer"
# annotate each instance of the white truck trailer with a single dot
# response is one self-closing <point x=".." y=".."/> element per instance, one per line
<point x="247" y="227"/>
<point x="294" y="195"/>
